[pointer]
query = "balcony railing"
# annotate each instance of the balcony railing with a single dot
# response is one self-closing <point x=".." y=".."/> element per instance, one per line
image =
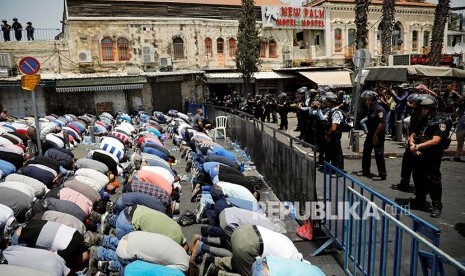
<point x="39" y="34"/>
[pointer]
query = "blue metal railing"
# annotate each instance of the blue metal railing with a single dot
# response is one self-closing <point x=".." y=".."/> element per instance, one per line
<point x="351" y="267"/>
<point x="335" y="185"/>
<point x="39" y="34"/>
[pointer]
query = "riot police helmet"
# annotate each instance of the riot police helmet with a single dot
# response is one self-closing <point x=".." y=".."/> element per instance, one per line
<point x="429" y="102"/>
<point x="302" y="90"/>
<point x="369" y="94"/>
<point x="414" y="98"/>
<point x="331" y="97"/>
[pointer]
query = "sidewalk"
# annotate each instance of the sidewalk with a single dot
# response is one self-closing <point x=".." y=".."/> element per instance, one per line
<point x="392" y="149"/>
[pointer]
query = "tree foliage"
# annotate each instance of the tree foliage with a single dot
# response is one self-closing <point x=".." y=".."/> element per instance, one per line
<point x="248" y="43"/>
<point x="437" y="39"/>
<point x="361" y="20"/>
<point x="387" y="25"/>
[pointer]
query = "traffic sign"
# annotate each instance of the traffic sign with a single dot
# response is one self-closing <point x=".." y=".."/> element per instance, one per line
<point x="29" y="66"/>
<point x="362" y="58"/>
<point x="29" y="82"/>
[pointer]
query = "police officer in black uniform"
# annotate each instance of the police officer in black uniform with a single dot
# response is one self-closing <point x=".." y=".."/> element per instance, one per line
<point x="283" y="109"/>
<point x="333" y="148"/>
<point x="375" y="137"/>
<point x="320" y="127"/>
<point x="413" y="101"/>
<point x="427" y="144"/>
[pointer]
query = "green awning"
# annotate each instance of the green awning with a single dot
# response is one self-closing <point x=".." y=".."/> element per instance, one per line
<point x="100" y="84"/>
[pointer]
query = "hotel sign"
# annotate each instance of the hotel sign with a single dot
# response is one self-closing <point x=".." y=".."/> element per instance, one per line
<point x="287" y="17"/>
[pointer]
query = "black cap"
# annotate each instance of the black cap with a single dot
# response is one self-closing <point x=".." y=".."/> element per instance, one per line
<point x="29" y="23"/>
<point x="15" y="19"/>
<point x="4" y="20"/>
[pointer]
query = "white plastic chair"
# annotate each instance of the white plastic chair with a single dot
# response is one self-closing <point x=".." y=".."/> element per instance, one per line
<point x="221" y="123"/>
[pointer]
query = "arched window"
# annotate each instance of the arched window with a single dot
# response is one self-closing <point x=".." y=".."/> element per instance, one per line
<point x="262" y="49"/>
<point x="337" y="40"/>
<point x="123" y="49"/>
<point x="208" y="47"/>
<point x="397" y="34"/>
<point x="107" y="49"/>
<point x="220" y="45"/>
<point x="178" y="47"/>
<point x="426" y="39"/>
<point x="232" y="47"/>
<point x="272" y="51"/>
<point x="414" y="41"/>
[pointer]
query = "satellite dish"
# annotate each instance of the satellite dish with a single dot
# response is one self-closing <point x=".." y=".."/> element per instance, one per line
<point x="459" y="48"/>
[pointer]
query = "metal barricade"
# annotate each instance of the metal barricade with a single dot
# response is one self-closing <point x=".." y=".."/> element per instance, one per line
<point x="368" y="216"/>
<point x="290" y="173"/>
<point x="337" y="226"/>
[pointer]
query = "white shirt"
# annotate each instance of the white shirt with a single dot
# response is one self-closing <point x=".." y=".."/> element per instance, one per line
<point x="128" y="125"/>
<point x="161" y="172"/>
<point x="89" y="182"/>
<point x="6" y="216"/>
<point x="55" y="139"/>
<point x="236" y="191"/>
<point x="38" y="187"/>
<point x="101" y="179"/>
<point x="5" y="142"/>
<point x="125" y="129"/>
<point x="20" y="187"/>
<point x="276" y="244"/>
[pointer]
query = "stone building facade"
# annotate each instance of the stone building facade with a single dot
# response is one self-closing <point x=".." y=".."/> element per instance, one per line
<point x="156" y="54"/>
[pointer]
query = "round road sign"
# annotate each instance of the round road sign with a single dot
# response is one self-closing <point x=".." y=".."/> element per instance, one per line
<point x="29" y="66"/>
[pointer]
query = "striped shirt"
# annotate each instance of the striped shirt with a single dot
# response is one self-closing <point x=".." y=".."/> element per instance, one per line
<point x="153" y="190"/>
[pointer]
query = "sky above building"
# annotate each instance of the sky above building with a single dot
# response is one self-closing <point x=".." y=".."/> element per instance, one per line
<point x="48" y="13"/>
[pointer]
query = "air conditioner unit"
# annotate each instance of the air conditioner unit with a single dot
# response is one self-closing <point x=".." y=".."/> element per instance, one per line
<point x="4" y="72"/>
<point x="7" y="60"/>
<point x="84" y="56"/>
<point x="165" y="62"/>
<point x="399" y="60"/>
<point x="286" y="48"/>
<point x="148" y="54"/>
<point x="287" y="57"/>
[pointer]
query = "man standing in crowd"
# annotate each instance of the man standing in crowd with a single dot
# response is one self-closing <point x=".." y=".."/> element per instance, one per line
<point x="334" y="133"/>
<point x="29" y="31"/>
<point x="427" y="144"/>
<point x="6" y="30"/>
<point x="18" y="29"/>
<point x="375" y="137"/>
<point x="283" y="110"/>
<point x="400" y="99"/>
<point x="197" y="121"/>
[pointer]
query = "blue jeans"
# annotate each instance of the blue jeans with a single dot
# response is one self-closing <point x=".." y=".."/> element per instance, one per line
<point x="110" y="242"/>
<point x="106" y="254"/>
<point x="123" y="226"/>
<point x="111" y="219"/>
<point x="206" y="199"/>
<point x="119" y="206"/>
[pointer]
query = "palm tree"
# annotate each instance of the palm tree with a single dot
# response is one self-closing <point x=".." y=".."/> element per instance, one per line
<point x="437" y="39"/>
<point x="387" y="24"/>
<point x="361" y="20"/>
